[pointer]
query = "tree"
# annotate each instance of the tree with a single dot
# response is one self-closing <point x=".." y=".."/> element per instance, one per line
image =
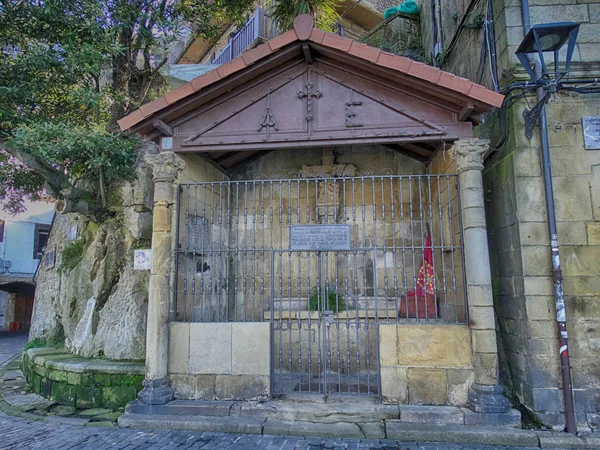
<point x="323" y="11"/>
<point x="69" y="69"/>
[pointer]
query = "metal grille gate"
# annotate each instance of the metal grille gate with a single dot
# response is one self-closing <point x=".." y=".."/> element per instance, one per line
<point x="235" y="263"/>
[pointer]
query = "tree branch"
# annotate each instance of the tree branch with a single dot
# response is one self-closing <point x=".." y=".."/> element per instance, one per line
<point x="57" y="183"/>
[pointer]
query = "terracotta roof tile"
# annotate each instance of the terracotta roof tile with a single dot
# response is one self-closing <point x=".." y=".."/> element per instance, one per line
<point x="130" y="120"/>
<point x="283" y="39"/>
<point x="231" y="67"/>
<point x="394" y="62"/>
<point x="334" y="41"/>
<point x="204" y="80"/>
<point x="364" y="51"/>
<point x="304" y="24"/>
<point x="150" y="108"/>
<point x="250" y="57"/>
<point x="330" y="40"/>
<point x="485" y="95"/>
<point x="317" y="35"/>
<point x="177" y="94"/>
<point x="425" y="72"/>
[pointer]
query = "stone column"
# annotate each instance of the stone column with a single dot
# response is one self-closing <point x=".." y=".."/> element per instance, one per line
<point x="157" y="391"/>
<point x="485" y="394"/>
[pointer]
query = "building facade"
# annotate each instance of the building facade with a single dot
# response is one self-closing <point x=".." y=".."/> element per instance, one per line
<point x="23" y="239"/>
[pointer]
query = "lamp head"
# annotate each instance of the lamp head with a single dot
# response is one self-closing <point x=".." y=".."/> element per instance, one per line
<point x="548" y="37"/>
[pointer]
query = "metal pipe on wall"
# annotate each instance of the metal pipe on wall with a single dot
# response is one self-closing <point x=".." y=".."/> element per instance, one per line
<point x="561" y="318"/>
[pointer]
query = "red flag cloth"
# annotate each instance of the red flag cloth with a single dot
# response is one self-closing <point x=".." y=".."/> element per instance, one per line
<point x="425" y="281"/>
<point x="421" y="302"/>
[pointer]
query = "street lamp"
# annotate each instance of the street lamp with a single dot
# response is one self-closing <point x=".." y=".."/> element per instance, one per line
<point x="544" y="38"/>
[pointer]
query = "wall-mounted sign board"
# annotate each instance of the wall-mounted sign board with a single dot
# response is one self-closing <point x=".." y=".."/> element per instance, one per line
<point x="142" y="259"/>
<point x="319" y="237"/>
<point x="591" y="132"/>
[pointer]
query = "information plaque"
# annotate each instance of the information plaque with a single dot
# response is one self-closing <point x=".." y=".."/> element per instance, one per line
<point x="591" y="132"/>
<point x="320" y="237"/>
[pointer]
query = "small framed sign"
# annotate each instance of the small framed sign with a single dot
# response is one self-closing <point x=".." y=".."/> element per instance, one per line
<point x="166" y="143"/>
<point x="591" y="132"/>
<point x="142" y="259"/>
<point x="49" y="259"/>
<point x="319" y="237"/>
<point x="73" y="233"/>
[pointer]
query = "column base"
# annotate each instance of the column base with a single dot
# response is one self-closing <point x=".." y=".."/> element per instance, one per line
<point x="488" y="399"/>
<point x="156" y="392"/>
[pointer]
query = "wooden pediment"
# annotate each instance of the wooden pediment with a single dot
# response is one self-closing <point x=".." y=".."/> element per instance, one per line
<point x="303" y="104"/>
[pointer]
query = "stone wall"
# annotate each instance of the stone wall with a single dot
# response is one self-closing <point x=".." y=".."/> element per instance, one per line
<point x="425" y="364"/>
<point x="81" y="382"/>
<point x="400" y="35"/>
<point x="516" y="212"/>
<point x="220" y="361"/>
<point x="88" y="293"/>
<point x="521" y="265"/>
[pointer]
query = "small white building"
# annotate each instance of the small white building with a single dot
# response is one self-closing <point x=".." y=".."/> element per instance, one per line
<point x="22" y="241"/>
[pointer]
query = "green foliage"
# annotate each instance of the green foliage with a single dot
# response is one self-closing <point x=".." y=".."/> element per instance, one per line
<point x="72" y="254"/>
<point x="35" y="343"/>
<point x="69" y="69"/>
<point x="335" y="301"/>
<point x="323" y="11"/>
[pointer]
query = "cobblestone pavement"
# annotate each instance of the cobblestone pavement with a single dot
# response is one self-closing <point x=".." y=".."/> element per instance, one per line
<point x="11" y="343"/>
<point x="17" y="433"/>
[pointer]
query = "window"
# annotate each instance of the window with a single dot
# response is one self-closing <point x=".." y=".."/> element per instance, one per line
<point x="42" y="233"/>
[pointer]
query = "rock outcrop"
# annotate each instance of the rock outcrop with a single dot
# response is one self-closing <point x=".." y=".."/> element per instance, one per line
<point x="87" y="290"/>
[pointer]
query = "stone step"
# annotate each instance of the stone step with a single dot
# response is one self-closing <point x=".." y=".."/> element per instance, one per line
<point x="251" y="425"/>
<point x="182" y="408"/>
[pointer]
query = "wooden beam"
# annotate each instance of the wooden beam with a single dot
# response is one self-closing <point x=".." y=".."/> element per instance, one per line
<point x="416" y="149"/>
<point x="307" y="54"/>
<point x="248" y="161"/>
<point x="466" y="112"/>
<point x="163" y="127"/>
<point x="212" y="162"/>
<point x="224" y="157"/>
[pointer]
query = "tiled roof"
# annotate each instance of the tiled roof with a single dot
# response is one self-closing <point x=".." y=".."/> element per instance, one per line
<point x="304" y="31"/>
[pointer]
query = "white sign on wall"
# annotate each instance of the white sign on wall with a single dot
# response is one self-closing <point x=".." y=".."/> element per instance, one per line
<point x="591" y="132"/>
<point x="142" y="259"/>
<point x="73" y="232"/>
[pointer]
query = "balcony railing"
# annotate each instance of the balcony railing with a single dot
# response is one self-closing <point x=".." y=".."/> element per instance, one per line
<point x="259" y="26"/>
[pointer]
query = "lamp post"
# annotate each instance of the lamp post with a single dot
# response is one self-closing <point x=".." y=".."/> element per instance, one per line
<point x="541" y="39"/>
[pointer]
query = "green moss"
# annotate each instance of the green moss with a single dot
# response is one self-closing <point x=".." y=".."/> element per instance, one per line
<point x="128" y="380"/>
<point x="63" y="393"/>
<point x="88" y="397"/>
<point x="72" y="254"/>
<point x="117" y="397"/>
<point x="35" y="343"/>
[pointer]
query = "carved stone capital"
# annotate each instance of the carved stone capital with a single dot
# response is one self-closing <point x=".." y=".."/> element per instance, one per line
<point x="470" y="153"/>
<point x="165" y="166"/>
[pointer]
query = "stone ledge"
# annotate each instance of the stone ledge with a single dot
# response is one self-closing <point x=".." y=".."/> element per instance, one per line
<point x="441" y="415"/>
<point x="82" y="382"/>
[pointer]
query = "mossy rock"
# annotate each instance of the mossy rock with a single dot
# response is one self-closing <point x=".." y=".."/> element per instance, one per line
<point x="117" y="397"/>
<point x="63" y="393"/>
<point x="89" y="397"/>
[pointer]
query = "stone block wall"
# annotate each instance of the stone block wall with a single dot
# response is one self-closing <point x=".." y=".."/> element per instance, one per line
<point x="516" y="207"/>
<point x="81" y="382"/>
<point x="425" y="364"/>
<point x="521" y="265"/>
<point x="220" y="361"/>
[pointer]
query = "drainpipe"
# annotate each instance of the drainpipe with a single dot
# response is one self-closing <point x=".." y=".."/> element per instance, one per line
<point x="561" y="318"/>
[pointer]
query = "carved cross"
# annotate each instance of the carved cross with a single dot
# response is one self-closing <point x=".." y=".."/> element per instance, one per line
<point x="350" y="114"/>
<point x="309" y="94"/>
